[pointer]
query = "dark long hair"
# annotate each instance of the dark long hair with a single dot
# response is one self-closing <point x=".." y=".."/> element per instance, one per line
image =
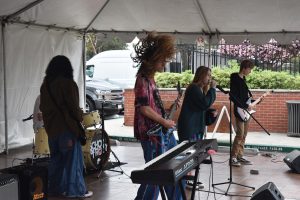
<point x="59" y="66"/>
<point x="151" y="50"/>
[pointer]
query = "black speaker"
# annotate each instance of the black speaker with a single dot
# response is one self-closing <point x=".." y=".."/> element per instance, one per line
<point x="33" y="181"/>
<point x="292" y="159"/>
<point x="9" y="188"/>
<point x="268" y="191"/>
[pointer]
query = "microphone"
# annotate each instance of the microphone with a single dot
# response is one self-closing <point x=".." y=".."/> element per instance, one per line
<point x="28" y="118"/>
<point x="221" y="89"/>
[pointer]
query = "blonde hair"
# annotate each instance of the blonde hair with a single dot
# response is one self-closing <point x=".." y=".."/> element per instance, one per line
<point x="153" y="49"/>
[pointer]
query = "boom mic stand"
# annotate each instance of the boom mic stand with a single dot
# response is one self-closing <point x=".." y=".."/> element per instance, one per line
<point x="230" y="181"/>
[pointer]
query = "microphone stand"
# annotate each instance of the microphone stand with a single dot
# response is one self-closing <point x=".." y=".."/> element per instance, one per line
<point x="230" y="181"/>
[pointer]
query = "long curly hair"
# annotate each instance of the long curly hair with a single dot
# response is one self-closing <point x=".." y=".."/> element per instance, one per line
<point x="59" y="66"/>
<point x="200" y="73"/>
<point x="153" y="49"/>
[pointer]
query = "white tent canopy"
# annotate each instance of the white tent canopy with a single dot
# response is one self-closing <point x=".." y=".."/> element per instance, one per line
<point x="33" y="31"/>
<point x="234" y="20"/>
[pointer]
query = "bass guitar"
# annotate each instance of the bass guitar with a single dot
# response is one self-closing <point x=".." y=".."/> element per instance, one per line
<point x="156" y="129"/>
<point x="244" y="114"/>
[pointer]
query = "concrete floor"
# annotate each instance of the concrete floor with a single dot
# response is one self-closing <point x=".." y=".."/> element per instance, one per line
<point x="116" y="186"/>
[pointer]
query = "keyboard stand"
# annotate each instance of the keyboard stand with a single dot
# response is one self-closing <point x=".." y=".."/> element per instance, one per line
<point x="182" y="190"/>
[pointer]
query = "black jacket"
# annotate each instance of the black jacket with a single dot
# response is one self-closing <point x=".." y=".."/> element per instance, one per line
<point x="239" y="92"/>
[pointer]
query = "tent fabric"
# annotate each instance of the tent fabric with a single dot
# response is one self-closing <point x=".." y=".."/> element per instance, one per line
<point x="27" y="56"/>
<point x="36" y="30"/>
<point x="234" y="20"/>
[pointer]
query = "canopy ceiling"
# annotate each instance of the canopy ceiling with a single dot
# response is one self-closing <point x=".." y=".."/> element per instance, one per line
<point x="33" y="31"/>
<point x="234" y="20"/>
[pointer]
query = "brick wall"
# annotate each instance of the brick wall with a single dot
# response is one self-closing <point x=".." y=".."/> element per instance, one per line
<point x="271" y="113"/>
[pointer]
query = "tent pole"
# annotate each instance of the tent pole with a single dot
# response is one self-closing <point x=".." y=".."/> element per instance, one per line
<point x="84" y="68"/>
<point x="209" y="51"/>
<point x="95" y="17"/>
<point x="5" y="89"/>
<point x="27" y="7"/>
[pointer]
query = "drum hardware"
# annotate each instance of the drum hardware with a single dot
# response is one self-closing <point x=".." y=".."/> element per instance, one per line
<point x="97" y="149"/>
<point x="40" y="143"/>
<point x="113" y="153"/>
<point x="91" y="119"/>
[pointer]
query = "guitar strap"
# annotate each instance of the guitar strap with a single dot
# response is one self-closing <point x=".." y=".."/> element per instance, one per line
<point x="158" y="101"/>
<point x="250" y="94"/>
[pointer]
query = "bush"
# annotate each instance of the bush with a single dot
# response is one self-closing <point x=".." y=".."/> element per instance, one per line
<point x="258" y="79"/>
<point x="170" y="80"/>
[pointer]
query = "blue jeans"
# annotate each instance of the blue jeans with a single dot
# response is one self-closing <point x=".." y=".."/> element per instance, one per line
<point x="152" y="150"/>
<point x="65" y="171"/>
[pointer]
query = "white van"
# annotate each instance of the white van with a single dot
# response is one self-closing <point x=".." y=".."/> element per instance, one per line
<point x="114" y="66"/>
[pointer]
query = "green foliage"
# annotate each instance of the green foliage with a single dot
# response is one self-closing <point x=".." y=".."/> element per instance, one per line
<point x="95" y="45"/>
<point x="170" y="80"/>
<point x="114" y="44"/>
<point x="258" y="79"/>
<point x="167" y="79"/>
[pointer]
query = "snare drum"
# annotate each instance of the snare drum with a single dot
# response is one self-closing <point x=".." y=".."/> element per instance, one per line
<point x="97" y="149"/>
<point x="41" y="145"/>
<point x="91" y="119"/>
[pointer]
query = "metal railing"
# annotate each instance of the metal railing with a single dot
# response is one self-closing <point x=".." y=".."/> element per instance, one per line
<point x="271" y="56"/>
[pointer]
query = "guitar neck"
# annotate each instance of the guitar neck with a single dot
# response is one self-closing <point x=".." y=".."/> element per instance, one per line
<point x="256" y="101"/>
<point x="259" y="99"/>
<point x="173" y="110"/>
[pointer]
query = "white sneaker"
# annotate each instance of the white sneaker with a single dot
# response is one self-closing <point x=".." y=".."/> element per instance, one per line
<point x="235" y="162"/>
<point x="86" y="195"/>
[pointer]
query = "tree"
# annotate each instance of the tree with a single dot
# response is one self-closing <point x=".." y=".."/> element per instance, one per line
<point x="271" y="55"/>
<point x="95" y="44"/>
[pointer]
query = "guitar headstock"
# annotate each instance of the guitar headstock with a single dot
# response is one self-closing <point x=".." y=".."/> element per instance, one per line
<point x="179" y="90"/>
<point x="268" y="93"/>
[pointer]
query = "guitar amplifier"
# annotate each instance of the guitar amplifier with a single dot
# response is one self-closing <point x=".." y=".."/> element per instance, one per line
<point x="33" y="181"/>
<point x="9" y="188"/>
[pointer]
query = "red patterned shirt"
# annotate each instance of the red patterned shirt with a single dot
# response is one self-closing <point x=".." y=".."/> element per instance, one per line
<point x="146" y="94"/>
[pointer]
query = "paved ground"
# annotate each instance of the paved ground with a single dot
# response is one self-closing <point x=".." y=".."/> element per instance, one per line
<point x="116" y="186"/>
<point x="114" y="127"/>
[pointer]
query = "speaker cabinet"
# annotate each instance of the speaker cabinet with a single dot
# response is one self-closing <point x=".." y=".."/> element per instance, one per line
<point x="268" y="191"/>
<point x="292" y="159"/>
<point x="33" y="181"/>
<point x="9" y="188"/>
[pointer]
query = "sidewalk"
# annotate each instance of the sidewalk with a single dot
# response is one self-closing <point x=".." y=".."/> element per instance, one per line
<point x="279" y="142"/>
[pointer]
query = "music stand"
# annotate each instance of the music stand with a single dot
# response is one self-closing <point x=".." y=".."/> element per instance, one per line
<point x="230" y="180"/>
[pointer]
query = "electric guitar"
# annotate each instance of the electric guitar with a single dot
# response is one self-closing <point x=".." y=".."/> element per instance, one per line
<point x="244" y="114"/>
<point x="156" y="129"/>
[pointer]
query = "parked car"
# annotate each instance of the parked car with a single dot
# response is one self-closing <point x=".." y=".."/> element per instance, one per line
<point x="102" y="93"/>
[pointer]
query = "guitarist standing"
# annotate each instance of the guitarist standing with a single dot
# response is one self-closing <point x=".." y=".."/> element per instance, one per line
<point x="240" y="96"/>
<point x="152" y="53"/>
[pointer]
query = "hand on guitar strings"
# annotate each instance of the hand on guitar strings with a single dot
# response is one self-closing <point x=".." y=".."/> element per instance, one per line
<point x="167" y="123"/>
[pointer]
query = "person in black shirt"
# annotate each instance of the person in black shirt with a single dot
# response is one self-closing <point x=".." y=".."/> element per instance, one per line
<point x="240" y="96"/>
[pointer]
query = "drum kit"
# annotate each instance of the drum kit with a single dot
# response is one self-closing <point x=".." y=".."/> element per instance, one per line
<point x="97" y="149"/>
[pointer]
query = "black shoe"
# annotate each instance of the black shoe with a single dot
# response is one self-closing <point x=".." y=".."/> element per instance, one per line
<point x="244" y="161"/>
<point x="190" y="183"/>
